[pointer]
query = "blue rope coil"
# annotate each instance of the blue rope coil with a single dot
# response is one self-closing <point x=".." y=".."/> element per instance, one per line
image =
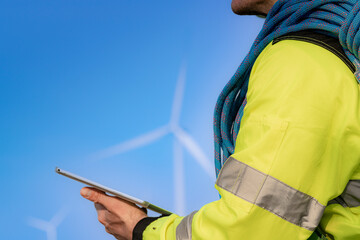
<point x="336" y="18"/>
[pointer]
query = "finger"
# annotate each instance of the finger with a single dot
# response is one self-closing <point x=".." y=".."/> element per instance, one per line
<point x="97" y="196"/>
<point x="93" y="195"/>
<point x="107" y="218"/>
<point x="99" y="207"/>
<point x="102" y="214"/>
<point x="111" y="203"/>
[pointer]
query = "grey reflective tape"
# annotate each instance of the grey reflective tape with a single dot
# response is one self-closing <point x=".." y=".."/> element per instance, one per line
<point x="271" y="194"/>
<point x="351" y="195"/>
<point x="183" y="230"/>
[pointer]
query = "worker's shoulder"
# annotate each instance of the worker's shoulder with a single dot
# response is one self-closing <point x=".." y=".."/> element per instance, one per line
<point x="292" y="61"/>
<point x="321" y="39"/>
<point x="306" y="54"/>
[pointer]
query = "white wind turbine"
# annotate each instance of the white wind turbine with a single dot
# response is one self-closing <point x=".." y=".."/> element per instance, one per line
<point x="182" y="139"/>
<point x="49" y="227"/>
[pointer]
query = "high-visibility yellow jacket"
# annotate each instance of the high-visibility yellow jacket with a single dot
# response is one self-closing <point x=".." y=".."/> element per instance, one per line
<point x="298" y="147"/>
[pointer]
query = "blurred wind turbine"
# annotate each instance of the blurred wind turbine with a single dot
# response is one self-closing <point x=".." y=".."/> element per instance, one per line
<point x="49" y="227"/>
<point x="182" y="139"/>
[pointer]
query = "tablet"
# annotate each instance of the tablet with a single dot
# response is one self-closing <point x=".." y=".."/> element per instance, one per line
<point x="118" y="194"/>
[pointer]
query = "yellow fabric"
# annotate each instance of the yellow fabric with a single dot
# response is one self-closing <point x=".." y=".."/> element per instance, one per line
<point x="301" y="125"/>
<point x="341" y="223"/>
<point x="163" y="228"/>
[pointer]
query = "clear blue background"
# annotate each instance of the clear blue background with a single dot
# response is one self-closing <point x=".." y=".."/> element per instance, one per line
<point x="78" y="76"/>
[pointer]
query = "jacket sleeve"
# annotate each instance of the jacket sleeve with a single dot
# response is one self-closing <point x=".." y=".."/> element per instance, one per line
<point x="287" y="161"/>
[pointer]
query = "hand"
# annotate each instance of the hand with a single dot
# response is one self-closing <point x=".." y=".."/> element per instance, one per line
<point x="118" y="216"/>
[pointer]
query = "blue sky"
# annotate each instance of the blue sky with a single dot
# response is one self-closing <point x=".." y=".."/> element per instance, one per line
<point x="77" y="77"/>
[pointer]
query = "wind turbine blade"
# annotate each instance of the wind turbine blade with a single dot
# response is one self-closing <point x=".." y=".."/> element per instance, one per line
<point x="59" y="216"/>
<point x="39" y="224"/>
<point x="131" y="144"/>
<point x="179" y="181"/>
<point x="178" y="97"/>
<point x="195" y="150"/>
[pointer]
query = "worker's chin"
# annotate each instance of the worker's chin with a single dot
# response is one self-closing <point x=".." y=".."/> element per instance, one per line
<point x="242" y="10"/>
<point x="241" y="7"/>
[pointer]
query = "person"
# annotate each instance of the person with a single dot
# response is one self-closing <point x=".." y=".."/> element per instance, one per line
<point x="293" y="109"/>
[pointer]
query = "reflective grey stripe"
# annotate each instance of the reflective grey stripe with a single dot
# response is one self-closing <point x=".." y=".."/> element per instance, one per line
<point x="271" y="194"/>
<point x="183" y="230"/>
<point x="351" y="195"/>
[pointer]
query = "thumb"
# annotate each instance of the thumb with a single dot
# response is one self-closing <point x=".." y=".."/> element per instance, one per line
<point x="92" y="194"/>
